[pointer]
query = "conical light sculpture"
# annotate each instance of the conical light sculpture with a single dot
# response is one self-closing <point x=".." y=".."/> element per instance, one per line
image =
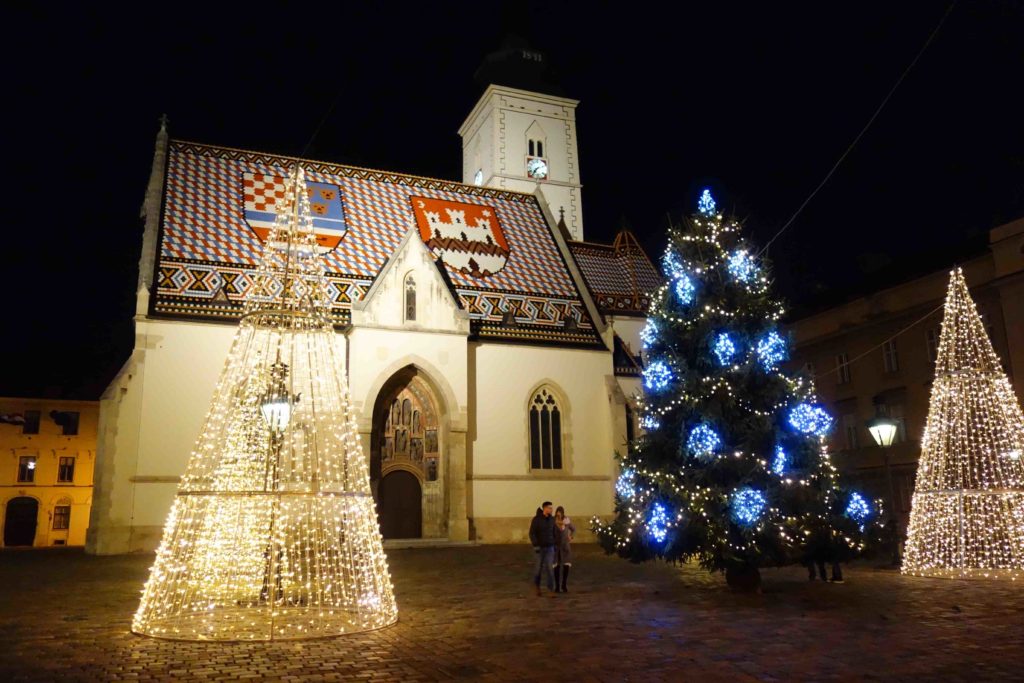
<point x="273" y="532"/>
<point x="967" y="513"/>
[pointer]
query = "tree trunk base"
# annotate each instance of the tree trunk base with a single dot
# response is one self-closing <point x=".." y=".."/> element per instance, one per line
<point x="743" y="579"/>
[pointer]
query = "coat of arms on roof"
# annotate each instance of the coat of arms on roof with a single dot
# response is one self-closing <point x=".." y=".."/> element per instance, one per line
<point x="466" y="237"/>
<point x="262" y="193"/>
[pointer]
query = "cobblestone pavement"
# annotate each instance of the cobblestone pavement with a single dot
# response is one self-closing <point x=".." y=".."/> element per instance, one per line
<point x="469" y="614"/>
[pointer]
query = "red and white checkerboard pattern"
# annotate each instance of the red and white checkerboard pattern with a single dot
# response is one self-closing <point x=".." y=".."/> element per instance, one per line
<point x="261" y="191"/>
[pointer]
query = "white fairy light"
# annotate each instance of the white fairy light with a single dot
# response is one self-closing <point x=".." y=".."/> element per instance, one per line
<point x="273" y="533"/>
<point x="967" y="513"/>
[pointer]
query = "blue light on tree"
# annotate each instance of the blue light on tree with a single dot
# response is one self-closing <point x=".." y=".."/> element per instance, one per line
<point x="771" y="350"/>
<point x="706" y="203"/>
<point x="649" y="423"/>
<point x="657" y="523"/>
<point x="810" y="419"/>
<point x="747" y="506"/>
<point x="781" y="461"/>
<point x="657" y="375"/>
<point x="723" y="348"/>
<point x="685" y="289"/>
<point x="625" y="486"/>
<point x="743" y="266"/>
<point x="703" y="442"/>
<point x="671" y="264"/>
<point x="649" y="334"/>
<point x="858" y="509"/>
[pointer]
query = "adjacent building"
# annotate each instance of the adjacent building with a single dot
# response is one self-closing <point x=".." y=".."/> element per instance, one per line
<point x="875" y="355"/>
<point x="47" y="453"/>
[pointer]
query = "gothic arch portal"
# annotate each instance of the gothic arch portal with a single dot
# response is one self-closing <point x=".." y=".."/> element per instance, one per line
<point x="414" y="425"/>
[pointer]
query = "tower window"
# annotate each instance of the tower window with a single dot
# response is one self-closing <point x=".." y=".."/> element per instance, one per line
<point x="532" y="148"/>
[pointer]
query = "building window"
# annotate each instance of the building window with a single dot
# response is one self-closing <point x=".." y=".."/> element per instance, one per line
<point x="533" y="151"/>
<point x="31" y="425"/>
<point x="61" y="516"/>
<point x="931" y="337"/>
<point x="27" y="469"/>
<point x="889" y="356"/>
<point x="67" y="419"/>
<point x="809" y="369"/>
<point x="850" y="432"/>
<point x="545" y="431"/>
<point x="630" y="425"/>
<point x="842" y="369"/>
<point x="410" y="298"/>
<point x="896" y="414"/>
<point x="66" y="470"/>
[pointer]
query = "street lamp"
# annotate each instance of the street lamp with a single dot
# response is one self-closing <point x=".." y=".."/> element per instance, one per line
<point x="276" y="404"/>
<point x="883" y="431"/>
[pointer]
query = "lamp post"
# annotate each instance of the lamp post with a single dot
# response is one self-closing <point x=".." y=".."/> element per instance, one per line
<point x="276" y="407"/>
<point x="883" y="431"/>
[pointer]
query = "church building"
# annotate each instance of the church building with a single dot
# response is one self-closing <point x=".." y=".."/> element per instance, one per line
<point x="491" y="352"/>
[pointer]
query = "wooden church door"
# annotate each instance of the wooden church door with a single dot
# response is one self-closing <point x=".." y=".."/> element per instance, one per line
<point x="400" y="505"/>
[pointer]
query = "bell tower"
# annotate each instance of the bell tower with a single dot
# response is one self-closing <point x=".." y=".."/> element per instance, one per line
<point x="521" y="135"/>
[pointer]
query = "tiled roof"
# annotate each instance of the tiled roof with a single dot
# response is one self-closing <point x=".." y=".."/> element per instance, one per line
<point x="502" y="257"/>
<point x="620" y="277"/>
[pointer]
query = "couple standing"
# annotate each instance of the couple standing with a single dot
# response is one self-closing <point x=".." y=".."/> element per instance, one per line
<point x="551" y="537"/>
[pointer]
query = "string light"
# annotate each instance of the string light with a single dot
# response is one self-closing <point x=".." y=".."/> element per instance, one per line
<point x="706" y="203"/>
<point x="771" y="350"/>
<point x="724" y="349"/>
<point x="748" y="505"/>
<point x="625" y="485"/>
<point x="672" y="266"/>
<point x="685" y="289"/>
<point x="810" y="419"/>
<point x="649" y="334"/>
<point x="743" y="266"/>
<point x="967" y="512"/>
<point x="273" y="532"/>
<point x="781" y="461"/>
<point x="858" y="509"/>
<point x="657" y="525"/>
<point x="650" y="423"/>
<point x="657" y="375"/>
<point x="703" y="442"/>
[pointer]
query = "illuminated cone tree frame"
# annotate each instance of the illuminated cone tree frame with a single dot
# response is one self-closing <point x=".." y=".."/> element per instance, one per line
<point x="967" y="514"/>
<point x="273" y="532"/>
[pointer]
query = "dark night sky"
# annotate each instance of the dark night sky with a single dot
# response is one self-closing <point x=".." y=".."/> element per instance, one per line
<point x="756" y="100"/>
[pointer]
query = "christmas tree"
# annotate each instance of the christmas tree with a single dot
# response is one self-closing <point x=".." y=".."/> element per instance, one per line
<point x="967" y="514"/>
<point x="732" y="470"/>
<point x="273" y="532"/>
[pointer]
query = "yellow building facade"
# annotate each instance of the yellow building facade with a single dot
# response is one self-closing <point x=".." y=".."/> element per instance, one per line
<point x="47" y="454"/>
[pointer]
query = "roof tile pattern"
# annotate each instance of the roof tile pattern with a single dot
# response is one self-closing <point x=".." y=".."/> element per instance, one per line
<point x="207" y="247"/>
<point x="622" y="280"/>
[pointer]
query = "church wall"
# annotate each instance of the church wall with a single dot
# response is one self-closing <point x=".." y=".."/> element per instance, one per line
<point x="150" y="418"/>
<point x="628" y="329"/>
<point x="505" y="493"/>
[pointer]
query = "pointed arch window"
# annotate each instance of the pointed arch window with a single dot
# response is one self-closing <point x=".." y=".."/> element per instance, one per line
<point x="410" y="297"/>
<point x="545" y="431"/>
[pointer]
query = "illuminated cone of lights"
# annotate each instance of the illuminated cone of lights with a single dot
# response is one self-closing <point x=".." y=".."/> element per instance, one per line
<point x="273" y="532"/>
<point x="967" y="515"/>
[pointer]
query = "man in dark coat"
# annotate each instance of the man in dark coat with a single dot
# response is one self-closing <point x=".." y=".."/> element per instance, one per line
<point x="542" y="536"/>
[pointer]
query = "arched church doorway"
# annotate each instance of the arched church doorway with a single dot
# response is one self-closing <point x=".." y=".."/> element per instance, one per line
<point x="406" y="467"/>
<point x="400" y="508"/>
<point x="20" y="521"/>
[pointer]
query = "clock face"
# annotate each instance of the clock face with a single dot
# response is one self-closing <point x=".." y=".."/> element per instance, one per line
<point x="537" y="168"/>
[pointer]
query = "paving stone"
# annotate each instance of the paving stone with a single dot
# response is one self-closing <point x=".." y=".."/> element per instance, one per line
<point x="468" y="614"/>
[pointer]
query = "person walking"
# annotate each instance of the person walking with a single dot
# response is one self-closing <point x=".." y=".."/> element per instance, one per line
<point x="564" y="533"/>
<point x="542" y="536"/>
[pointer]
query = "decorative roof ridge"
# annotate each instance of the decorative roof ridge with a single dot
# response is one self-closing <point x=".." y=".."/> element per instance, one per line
<point x="339" y="168"/>
<point x="584" y="243"/>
